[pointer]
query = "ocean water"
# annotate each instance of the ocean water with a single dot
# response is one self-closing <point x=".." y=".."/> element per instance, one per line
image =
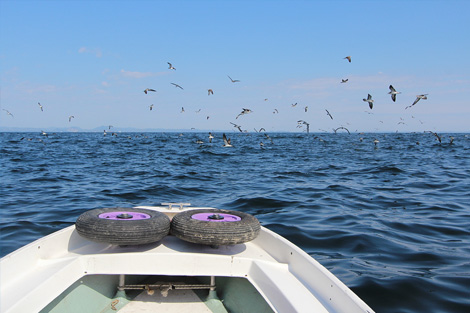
<point x="391" y="220"/>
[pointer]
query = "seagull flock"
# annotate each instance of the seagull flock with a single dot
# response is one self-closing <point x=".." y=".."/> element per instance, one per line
<point x="301" y="123"/>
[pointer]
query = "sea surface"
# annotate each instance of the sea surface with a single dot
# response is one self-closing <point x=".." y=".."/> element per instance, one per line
<point x="390" y="219"/>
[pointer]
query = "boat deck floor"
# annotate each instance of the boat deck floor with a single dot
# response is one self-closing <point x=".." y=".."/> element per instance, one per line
<point x="176" y="301"/>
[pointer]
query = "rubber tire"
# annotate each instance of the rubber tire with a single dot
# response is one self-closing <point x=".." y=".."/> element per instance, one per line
<point x="123" y="232"/>
<point x="188" y="229"/>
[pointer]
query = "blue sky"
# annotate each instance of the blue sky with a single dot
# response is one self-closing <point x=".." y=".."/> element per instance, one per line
<point x="93" y="59"/>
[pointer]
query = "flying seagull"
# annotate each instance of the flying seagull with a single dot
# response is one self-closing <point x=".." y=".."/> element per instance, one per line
<point x="267" y="136"/>
<point x="418" y="97"/>
<point x="71" y="117"/>
<point x="245" y="111"/>
<point x="151" y="107"/>
<point x="306" y="108"/>
<point x="328" y="113"/>
<point x="305" y="123"/>
<point x="294" y="104"/>
<point x="149" y="89"/>
<point x="237" y="126"/>
<point x="275" y="111"/>
<point x="435" y="134"/>
<point x="369" y="100"/>
<point x="182" y="110"/>
<point x="40" y="106"/>
<point x="177" y="86"/>
<point x="341" y="127"/>
<point x="344" y="80"/>
<point x="8" y="112"/>
<point x="227" y="142"/>
<point x="170" y="67"/>
<point x="348" y="58"/>
<point x="210" y="92"/>
<point x="393" y="93"/>
<point x="210" y="137"/>
<point x="233" y="80"/>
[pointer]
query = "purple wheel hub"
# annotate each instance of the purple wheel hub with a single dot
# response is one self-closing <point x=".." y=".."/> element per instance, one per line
<point x="124" y="216"/>
<point x="216" y="217"/>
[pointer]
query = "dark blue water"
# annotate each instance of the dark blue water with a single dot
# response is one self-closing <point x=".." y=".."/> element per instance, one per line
<point x="391" y="220"/>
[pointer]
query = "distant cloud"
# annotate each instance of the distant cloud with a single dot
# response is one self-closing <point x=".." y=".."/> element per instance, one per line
<point x="366" y="82"/>
<point x="315" y="84"/>
<point x="30" y="88"/>
<point x="99" y="91"/>
<point x="105" y="84"/>
<point x="137" y="74"/>
<point x="96" y="51"/>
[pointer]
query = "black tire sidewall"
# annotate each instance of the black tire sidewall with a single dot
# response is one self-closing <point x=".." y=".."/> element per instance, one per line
<point x="188" y="229"/>
<point x="123" y="232"/>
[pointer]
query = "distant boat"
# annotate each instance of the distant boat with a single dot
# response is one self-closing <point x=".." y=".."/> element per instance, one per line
<point x="104" y="263"/>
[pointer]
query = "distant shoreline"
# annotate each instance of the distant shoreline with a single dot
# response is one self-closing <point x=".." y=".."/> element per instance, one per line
<point x="136" y="130"/>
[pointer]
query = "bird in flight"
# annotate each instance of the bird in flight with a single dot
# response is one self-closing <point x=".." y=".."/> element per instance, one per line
<point x="341" y="127"/>
<point x="227" y="142"/>
<point x="369" y="100"/>
<point x="267" y="136"/>
<point x="40" y="106"/>
<point x="306" y="108"/>
<point x="245" y="111"/>
<point x="348" y="58"/>
<point x="299" y="122"/>
<point x="344" y="80"/>
<point x="151" y="107"/>
<point x="418" y="97"/>
<point x="393" y="93"/>
<point x="275" y="111"/>
<point x="182" y="109"/>
<point x="328" y="113"/>
<point x="294" y="104"/>
<point x="71" y="117"/>
<point x="435" y="134"/>
<point x="233" y="80"/>
<point x="8" y="112"/>
<point x="210" y="137"/>
<point x="170" y="67"/>
<point x="177" y="86"/>
<point x="237" y="126"/>
<point x="210" y="92"/>
<point x="149" y="89"/>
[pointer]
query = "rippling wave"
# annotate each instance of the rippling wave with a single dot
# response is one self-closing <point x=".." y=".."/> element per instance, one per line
<point x="390" y="220"/>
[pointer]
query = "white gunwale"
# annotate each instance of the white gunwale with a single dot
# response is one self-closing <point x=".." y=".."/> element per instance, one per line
<point x="287" y="277"/>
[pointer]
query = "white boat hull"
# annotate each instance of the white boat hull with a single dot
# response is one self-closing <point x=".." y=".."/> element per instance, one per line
<point x="287" y="278"/>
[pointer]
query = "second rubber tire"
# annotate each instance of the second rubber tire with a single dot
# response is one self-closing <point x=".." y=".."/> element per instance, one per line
<point x="238" y="227"/>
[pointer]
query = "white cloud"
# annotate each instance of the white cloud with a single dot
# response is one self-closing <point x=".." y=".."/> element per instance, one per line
<point x="32" y="88"/>
<point x="96" y="51"/>
<point x="137" y="74"/>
